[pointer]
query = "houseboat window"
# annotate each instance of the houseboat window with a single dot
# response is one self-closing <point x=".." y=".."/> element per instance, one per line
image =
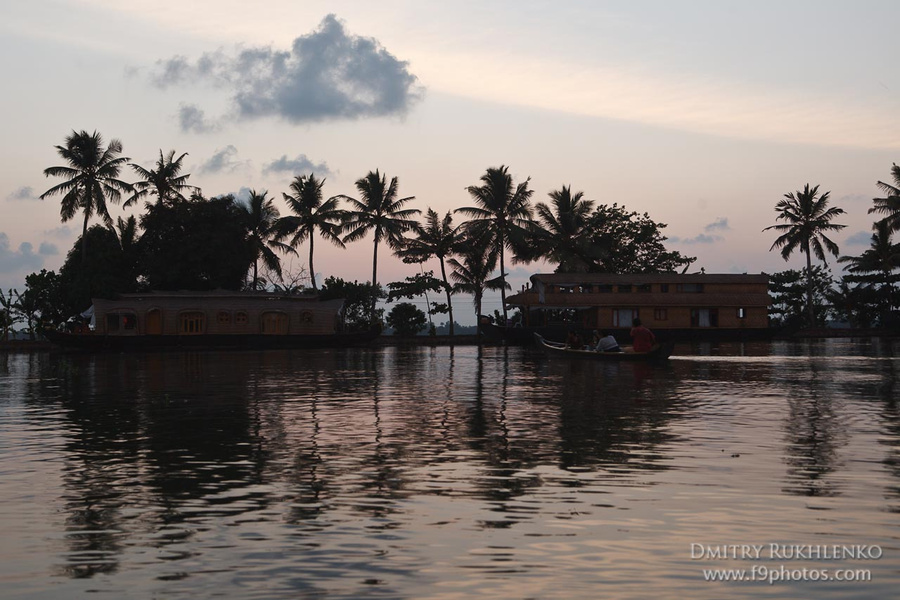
<point x="191" y="323"/>
<point x="112" y="322"/>
<point x="273" y="323"/>
<point x="664" y="287"/>
<point x="129" y="322"/>
<point x="622" y="317"/>
<point x="566" y="315"/>
<point x="624" y="289"/>
<point x="742" y="313"/>
<point x="644" y="288"/>
<point x="690" y="288"/>
<point x="704" y="317"/>
<point x="240" y="318"/>
<point x="306" y="317"/>
<point x="604" y="289"/>
<point x="586" y="288"/>
<point x="223" y="317"/>
<point x="660" y="314"/>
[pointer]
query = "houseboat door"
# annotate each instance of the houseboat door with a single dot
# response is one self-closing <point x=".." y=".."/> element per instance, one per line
<point x="154" y="322"/>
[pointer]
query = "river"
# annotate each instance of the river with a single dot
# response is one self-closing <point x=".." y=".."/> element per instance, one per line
<point x="452" y="473"/>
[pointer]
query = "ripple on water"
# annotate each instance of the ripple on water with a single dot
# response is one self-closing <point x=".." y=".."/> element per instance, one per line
<point x="441" y="472"/>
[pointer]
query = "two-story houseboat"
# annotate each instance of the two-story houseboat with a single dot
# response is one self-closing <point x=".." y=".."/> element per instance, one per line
<point x="675" y="306"/>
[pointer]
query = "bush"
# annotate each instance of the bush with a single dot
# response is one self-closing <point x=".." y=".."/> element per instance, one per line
<point x="406" y="319"/>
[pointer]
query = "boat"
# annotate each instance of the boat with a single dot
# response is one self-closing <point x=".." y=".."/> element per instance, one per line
<point x="216" y="319"/>
<point x="678" y="306"/>
<point x="659" y="352"/>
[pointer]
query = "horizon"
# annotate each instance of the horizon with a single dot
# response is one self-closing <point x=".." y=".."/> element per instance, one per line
<point x="702" y="115"/>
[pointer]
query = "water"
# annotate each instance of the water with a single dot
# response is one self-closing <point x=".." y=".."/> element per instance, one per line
<point x="445" y="473"/>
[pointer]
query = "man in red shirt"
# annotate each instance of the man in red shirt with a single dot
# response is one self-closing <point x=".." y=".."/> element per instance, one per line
<point x="642" y="338"/>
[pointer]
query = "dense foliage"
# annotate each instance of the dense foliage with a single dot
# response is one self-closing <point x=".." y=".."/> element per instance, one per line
<point x="199" y="244"/>
<point x="406" y="319"/>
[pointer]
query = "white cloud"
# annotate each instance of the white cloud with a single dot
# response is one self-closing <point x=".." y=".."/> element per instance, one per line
<point x="720" y="224"/>
<point x="23" y="193"/>
<point x="296" y="166"/>
<point x="860" y="238"/>
<point x="223" y="160"/>
<point x="23" y="258"/>
<point x="327" y="74"/>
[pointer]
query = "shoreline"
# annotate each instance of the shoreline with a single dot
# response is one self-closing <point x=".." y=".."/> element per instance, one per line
<point x="28" y="346"/>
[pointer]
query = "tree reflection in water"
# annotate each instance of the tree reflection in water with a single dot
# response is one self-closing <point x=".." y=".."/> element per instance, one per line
<point x="330" y="457"/>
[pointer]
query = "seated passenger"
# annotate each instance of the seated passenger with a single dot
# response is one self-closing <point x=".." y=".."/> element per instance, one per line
<point x="642" y="337"/>
<point x="607" y="343"/>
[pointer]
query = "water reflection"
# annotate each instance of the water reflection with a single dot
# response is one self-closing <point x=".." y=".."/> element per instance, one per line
<point x="355" y="470"/>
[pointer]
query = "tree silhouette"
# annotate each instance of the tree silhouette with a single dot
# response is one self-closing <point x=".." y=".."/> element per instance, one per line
<point x="564" y="236"/>
<point x="259" y="216"/>
<point x="92" y="177"/>
<point x="502" y="214"/>
<point x="380" y="211"/>
<point x="473" y="273"/>
<point x="436" y="238"/>
<point x="311" y="214"/>
<point x="890" y="204"/>
<point x="807" y="218"/>
<point x="878" y="262"/>
<point x="165" y="181"/>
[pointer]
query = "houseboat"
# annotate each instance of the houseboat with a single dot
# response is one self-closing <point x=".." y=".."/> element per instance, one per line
<point x="212" y="319"/>
<point x="675" y="306"/>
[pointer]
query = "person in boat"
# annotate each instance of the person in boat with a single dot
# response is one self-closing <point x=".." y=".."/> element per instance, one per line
<point x="574" y="340"/>
<point x="607" y="343"/>
<point x="642" y="338"/>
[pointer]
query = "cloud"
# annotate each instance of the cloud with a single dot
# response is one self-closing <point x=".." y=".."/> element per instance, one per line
<point x="860" y="238"/>
<point x="48" y="249"/>
<point x="192" y="119"/>
<point x="854" y="198"/>
<point x="63" y="232"/>
<point x="701" y="238"/>
<point x="23" y="193"/>
<point x="223" y="160"/>
<point x="23" y="258"/>
<point x="327" y="74"/>
<point x="720" y="224"/>
<point x="243" y="195"/>
<point x="296" y="166"/>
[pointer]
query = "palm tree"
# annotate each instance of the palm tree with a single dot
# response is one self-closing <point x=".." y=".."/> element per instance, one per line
<point x="807" y="218"/>
<point x="380" y="211"/>
<point x="310" y="214"/>
<point x="503" y="214"/>
<point x="165" y="181"/>
<point x="260" y="216"/>
<point x="91" y="178"/>
<point x="889" y="205"/>
<point x="564" y="232"/>
<point x="881" y="258"/>
<point x="439" y="239"/>
<point x="472" y="274"/>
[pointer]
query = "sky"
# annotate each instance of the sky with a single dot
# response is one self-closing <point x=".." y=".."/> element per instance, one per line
<point x="701" y="113"/>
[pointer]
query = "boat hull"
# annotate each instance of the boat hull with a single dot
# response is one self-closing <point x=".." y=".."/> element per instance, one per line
<point x="115" y="343"/>
<point x="659" y="352"/>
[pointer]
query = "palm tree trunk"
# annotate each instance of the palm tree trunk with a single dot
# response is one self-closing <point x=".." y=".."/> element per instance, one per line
<point x="312" y="269"/>
<point x="447" y="291"/>
<point x="374" y="278"/>
<point x="84" y="240"/>
<point x="255" y="273"/>
<point x="502" y="280"/>
<point x="809" y="291"/>
<point x="478" y="312"/>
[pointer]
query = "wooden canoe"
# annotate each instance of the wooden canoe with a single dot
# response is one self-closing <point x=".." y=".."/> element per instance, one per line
<point x="658" y="353"/>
